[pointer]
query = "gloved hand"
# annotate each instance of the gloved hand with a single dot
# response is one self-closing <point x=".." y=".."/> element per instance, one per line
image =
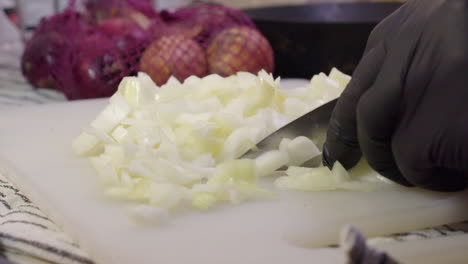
<point x="406" y="108"/>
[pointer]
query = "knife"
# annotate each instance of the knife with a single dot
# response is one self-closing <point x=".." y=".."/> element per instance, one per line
<point x="313" y="125"/>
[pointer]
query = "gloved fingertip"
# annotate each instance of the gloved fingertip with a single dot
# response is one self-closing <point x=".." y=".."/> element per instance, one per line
<point x="334" y="150"/>
<point x="326" y="160"/>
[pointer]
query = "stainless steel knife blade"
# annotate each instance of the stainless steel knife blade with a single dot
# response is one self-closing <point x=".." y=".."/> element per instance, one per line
<point x="313" y="125"/>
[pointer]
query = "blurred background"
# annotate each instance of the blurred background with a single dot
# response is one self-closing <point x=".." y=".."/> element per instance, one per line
<point x="303" y="38"/>
<point x="33" y="10"/>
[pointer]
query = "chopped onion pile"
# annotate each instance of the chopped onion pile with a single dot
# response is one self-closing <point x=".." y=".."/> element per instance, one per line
<point x="179" y="144"/>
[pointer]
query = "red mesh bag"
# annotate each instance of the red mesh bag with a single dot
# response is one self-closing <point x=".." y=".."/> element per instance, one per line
<point x="45" y="48"/>
<point x="173" y="55"/>
<point x="204" y="22"/>
<point x="96" y="54"/>
<point x="91" y="67"/>
<point x="87" y="49"/>
<point x="103" y="9"/>
<point x="239" y="48"/>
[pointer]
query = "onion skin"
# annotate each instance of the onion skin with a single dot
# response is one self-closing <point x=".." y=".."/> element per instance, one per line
<point x="95" y="70"/>
<point x="41" y="60"/>
<point x="39" y="57"/>
<point x="239" y="49"/>
<point x="173" y="55"/>
<point x="125" y="32"/>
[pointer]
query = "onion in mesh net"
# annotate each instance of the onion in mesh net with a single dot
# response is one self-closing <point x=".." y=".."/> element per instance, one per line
<point x="39" y="56"/>
<point x="43" y="50"/>
<point x="239" y="49"/>
<point x="204" y="21"/>
<point x="94" y="70"/>
<point x="85" y="54"/>
<point x="174" y="55"/>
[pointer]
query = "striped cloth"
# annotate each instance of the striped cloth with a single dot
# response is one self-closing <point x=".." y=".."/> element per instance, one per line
<point x="15" y="91"/>
<point x="27" y="235"/>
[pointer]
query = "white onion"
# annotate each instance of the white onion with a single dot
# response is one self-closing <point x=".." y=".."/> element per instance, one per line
<point x="179" y="143"/>
<point x="270" y="161"/>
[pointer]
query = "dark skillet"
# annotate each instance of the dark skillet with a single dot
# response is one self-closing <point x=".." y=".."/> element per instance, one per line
<point x="312" y="38"/>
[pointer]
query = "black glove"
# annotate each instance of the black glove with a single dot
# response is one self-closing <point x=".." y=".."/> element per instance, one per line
<point x="406" y="108"/>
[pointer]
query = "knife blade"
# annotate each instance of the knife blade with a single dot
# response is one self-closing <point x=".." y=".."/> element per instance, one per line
<point x="313" y="125"/>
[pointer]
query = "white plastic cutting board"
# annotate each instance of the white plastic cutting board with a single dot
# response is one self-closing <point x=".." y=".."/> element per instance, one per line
<point x="35" y="153"/>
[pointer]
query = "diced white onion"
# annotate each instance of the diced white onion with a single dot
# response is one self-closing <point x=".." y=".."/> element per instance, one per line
<point x="300" y="150"/>
<point x="178" y="144"/>
<point x="270" y="161"/>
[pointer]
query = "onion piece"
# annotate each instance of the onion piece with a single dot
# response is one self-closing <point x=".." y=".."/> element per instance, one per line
<point x="86" y="145"/>
<point x="148" y="215"/>
<point x="300" y="150"/>
<point x="270" y="161"/>
<point x="315" y="179"/>
<point x="339" y="77"/>
<point x="339" y="173"/>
